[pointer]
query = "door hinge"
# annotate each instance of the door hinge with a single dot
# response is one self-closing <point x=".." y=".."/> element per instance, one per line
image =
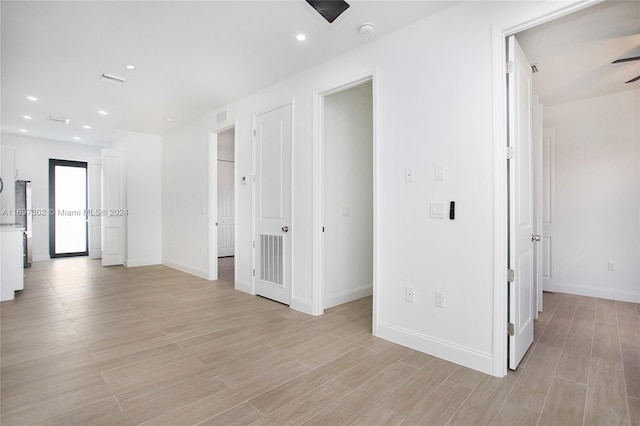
<point x="510" y="153"/>
<point x="511" y="329"/>
<point x="254" y="244"/>
<point x="323" y="229"/>
<point x="509" y="67"/>
<point x="254" y="272"/>
<point x="511" y="275"/>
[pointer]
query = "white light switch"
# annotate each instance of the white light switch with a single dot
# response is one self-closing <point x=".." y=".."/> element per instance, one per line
<point x="408" y="175"/>
<point x="436" y="211"/>
<point x="438" y="172"/>
<point x="344" y="211"/>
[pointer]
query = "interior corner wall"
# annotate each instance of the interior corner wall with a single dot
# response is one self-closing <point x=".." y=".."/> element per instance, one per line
<point x="32" y="163"/>
<point x="185" y="154"/>
<point x="143" y="194"/>
<point x="598" y="195"/>
<point x="348" y="195"/>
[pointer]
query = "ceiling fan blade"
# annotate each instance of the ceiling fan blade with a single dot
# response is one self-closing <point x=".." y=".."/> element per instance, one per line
<point x="633" y="58"/>
<point x="633" y="80"/>
<point x="329" y="9"/>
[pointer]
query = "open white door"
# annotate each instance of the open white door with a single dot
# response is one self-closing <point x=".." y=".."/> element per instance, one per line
<point x="95" y="218"/>
<point x="548" y="210"/>
<point x="537" y="200"/>
<point x="273" y="204"/>
<point x="521" y="218"/>
<point x="226" y="213"/>
<point x="112" y="209"/>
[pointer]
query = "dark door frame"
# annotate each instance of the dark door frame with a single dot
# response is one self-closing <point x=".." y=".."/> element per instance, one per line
<point x="52" y="207"/>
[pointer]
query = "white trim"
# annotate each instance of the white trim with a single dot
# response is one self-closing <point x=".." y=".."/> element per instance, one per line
<point x="301" y="305"/>
<point x="599" y="292"/>
<point x="244" y="286"/>
<point x="318" y="302"/>
<point x="198" y="272"/>
<point x="348" y="296"/>
<point x="499" y="59"/>
<point x="44" y="258"/>
<point x="458" y="354"/>
<point x="212" y="207"/>
<point x="143" y="262"/>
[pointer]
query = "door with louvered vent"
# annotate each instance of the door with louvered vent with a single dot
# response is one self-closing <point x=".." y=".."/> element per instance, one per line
<point x="273" y="204"/>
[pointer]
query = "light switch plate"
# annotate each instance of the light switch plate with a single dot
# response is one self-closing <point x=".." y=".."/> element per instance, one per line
<point x="438" y="172"/>
<point x="436" y="211"/>
<point x="408" y="175"/>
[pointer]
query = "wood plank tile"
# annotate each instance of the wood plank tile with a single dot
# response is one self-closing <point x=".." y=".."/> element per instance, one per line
<point x="606" y="343"/>
<point x="565" y="404"/>
<point x="440" y="406"/>
<point x="606" y="399"/>
<point x="575" y="359"/>
<point x="634" y="410"/>
<point x="512" y="414"/>
<point x="91" y="414"/>
<point x="363" y="372"/>
<point x="631" y="365"/>
<point x="239" y="415"/>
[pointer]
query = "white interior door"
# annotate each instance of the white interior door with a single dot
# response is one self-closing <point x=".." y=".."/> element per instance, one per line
<point x="226" y="213"/>
<point x="95" y="218"/>
<point x="112" y="209"/>
<point x="521" y="218"/>
<point x="273" y="204"/>
<point x="548" y="210"/>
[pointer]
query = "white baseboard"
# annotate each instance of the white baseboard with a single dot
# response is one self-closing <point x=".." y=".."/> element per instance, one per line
<point x="347" y="296"/>
<point x="471" y="358"/>
<point x="186" y="268"/>
<point x="40" y="258"/>
<point x="599" y="292"/>
<point x="304" y="306"/>
<point x="132" y="263"/>
<point x="243" y="286"/>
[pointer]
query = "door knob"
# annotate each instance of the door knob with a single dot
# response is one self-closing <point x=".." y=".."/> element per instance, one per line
<point x="535" y="237"/>
<point x="285" y="229"/>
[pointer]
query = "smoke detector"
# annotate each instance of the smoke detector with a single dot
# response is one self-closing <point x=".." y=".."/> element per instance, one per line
<point x="113" y="79"/>
<point x="366" y="29"/>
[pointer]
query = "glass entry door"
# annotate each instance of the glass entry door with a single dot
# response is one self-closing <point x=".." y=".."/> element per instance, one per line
<point x="68" y="208"/>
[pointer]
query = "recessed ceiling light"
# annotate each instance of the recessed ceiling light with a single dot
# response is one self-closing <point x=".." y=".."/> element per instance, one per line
<point x="169" y="120"/>
<point x="23" y="130"/>
<point x="86" y="126"/>
<point x="301" y="37"/>
<point x="32" y="98"/>
<point x="102" y="112"/>
<point x="130" y="67"/>
<point x="366" y="29"/>
<point x="76" y="138"/>
<point x="27" y="117"/>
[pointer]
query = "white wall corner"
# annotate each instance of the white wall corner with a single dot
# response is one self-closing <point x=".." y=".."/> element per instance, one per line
<point x="304" y="306"/>
<point x="348" y="296"/>
<point x="202" y="273"/>
<point x="244" y="286"/>
<point x="132" y="263"/>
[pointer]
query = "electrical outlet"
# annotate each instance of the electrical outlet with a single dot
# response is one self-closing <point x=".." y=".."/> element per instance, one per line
<point x="611" y="266"/>
<point x="408" y="175"/>
<point x="409" y="294"/>
<point x="439" y="299"/>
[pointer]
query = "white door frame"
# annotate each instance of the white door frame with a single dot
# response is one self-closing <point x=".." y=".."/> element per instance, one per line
<point x="212" y="217"/>
<point x="499" y="89"/>
<point x="317" y="305"/>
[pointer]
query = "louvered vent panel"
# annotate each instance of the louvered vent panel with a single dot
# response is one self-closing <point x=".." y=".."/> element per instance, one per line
<point x="271" y="256"/>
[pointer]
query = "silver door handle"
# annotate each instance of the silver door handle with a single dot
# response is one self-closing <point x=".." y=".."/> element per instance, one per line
<point x="285" y="229"/>
<point x="535" y="237"/>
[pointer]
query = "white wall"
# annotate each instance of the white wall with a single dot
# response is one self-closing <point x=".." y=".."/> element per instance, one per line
<point x="433" y="104"/>
<point x="597" y="195"/>
<point x="142" y="159"/>
<point x="185" y="154"/>
<point x="32" y="163"/>
<point x="348" y="195"/>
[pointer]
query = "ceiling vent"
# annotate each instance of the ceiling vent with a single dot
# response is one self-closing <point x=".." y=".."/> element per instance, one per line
<point x="59" y="119"/>
<point x="113" y="79"/>
<point x="221" y="117"/>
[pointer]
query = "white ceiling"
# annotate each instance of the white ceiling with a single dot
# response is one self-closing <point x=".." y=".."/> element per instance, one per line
<point x="574" y="53"/>
<point x="191" y="57"/>
<point x="195" y="56"/>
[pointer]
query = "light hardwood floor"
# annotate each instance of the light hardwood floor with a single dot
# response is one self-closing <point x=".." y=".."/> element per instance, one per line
<point x="85" y="345"/>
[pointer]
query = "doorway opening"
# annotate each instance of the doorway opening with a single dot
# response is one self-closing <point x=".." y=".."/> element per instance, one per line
<point x="226" y="204"/>
<point x="68" y="228"/>
<point x="347" y="195"/>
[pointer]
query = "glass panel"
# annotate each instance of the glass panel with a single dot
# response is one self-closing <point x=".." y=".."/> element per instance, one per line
<point x="70" y="214"/>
